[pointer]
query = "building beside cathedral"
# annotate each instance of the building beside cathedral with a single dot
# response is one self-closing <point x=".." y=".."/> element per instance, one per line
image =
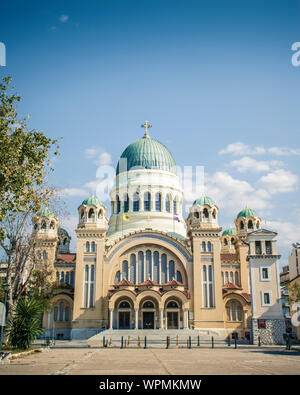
<point x="147" y="267"/>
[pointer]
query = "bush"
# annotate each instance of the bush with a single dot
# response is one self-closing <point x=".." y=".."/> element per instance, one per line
<point x="25" y="325"/>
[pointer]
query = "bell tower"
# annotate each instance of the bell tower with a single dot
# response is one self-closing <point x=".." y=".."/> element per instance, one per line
<point x="88" y="302"/>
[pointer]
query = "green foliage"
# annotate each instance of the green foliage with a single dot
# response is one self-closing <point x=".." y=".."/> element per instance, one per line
<point x="24" y="160"/>
<point x="25" y="325"/>
<point x="294" y="293"/>
<point x="1" y="291"/>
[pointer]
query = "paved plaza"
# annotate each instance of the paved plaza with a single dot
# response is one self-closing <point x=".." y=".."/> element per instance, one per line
<point x="132" y="361"/>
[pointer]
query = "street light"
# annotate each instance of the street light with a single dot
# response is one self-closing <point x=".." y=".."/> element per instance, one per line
<point x="5" y="286"/>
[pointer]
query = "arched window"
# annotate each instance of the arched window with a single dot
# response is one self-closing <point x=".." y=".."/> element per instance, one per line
<point x="179" y="277"/>
<point x="232" y="240"/>
<point x="126" y="203"/>
<point x="168" y="203"/>
<point x="257" y="225"/>
<point x="163" y="268"/>
<point x="156" y="267"/>
<point x="45" y="255"/>
<point x="231" y="277"/>
<point x="55" y="313"/>
<point x="52" y="225"/>
<point x="226" y="278"/>
<point x="62" y="277"/>
<point x="82" y="214"/>
<point x="92" y="286"/>
<point x="175" y="206"/>
<point x="158" y="201"/>
<point x="241" y="225"/>
<point x="93" y="246"/>
<point x="136" y="202"/>
<point x="125" y="270"/>
<point x="141" y="266"/>
<point x="148" y="305"/>
<point x="133" y="268"/>
<point x="209" y="246"/>
<point x="67" y="310"/>
<point x="203" y="246"/>
<point x="43" y="225"/>
<point x="234" y="311"/>
<point x="61" y="311"/>
<point x="236" y="278"/>
<point x="196" y="214"/>
<point x="91" y="214"/>
<point x="148" y="265"/>
<point x="147" y="201"/>
<point x="214" y="214"/>
<point x="65" y="241"/>
<point x="87" y="246"/>
<point x="171" y="270"/>
<point x="172" y="305"/>
<point x="124" y="305"/>
<point x="118" y="204"/>
<point x="100" y="214"/>
<point x="72" y="278"/>
<point x="205" y="213"/>
<point x="86" y="285"/>
<point x="68" y="277"/>
<point x="225" y="242"/>
<point x="250" y="224"/>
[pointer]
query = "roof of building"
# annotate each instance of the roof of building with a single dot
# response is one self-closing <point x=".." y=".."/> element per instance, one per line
<point x="204" y="200"/>
<point x="174" y="282"/>
<point x="247" y="212"/>
<point x="46" y="212"/>
<point x="228" y="257"/>
<point x="146" y="153"/>
<point x="229" y="232"/>
<point x="149" y="283"/>
<point x="92" y="200"/>
<point x="230" y="286"/>
<point x="68" y="257"/>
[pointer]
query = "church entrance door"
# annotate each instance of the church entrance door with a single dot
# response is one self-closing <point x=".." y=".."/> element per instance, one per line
<point x="124" y="319"/>
<point x="148" y="320"/>
<point x="172" y="317"/>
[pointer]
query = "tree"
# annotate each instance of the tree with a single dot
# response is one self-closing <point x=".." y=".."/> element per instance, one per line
<point x="24" y="160"/>
<point x="25" y="325"/>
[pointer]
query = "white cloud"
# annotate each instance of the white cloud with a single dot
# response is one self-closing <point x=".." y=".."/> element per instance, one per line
<point x="284" y="151"/>
<point x="249" y="164"/>
<point x="64" y="18"/>
<point x="240" y="148"/>
<point x="74" y="192"/>
<point x="99" y="155"/>
<point x="279" y="181"/>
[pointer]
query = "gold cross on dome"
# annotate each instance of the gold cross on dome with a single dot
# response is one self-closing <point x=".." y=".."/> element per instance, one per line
<point x="146" y="126"/>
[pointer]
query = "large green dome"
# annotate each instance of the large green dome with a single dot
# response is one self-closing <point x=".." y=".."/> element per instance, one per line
<point x="147" y="153"/>
<point x="247" y="212"/>
<point x="229" y="232"/>
<point x="91" y="200"/>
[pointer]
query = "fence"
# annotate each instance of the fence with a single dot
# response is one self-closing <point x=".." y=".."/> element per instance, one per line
<point x="169" y="342"/>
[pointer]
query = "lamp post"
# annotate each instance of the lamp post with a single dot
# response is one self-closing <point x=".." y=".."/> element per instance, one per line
<point x="4" y="312"/>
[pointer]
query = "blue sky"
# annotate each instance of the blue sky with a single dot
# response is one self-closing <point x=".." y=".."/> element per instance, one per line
<point x="214" y="78"/>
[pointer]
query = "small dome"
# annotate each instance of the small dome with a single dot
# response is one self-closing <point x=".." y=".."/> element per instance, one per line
<point x="204" y="200"/>
<point x="91" y="200"/>
<point x="229" y="232"/>
<point x="147" y="153"/>
<point x="46" y="213"/>
<point x="247" y="212"/>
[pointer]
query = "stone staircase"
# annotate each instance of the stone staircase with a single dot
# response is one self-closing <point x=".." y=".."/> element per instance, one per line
<point x="153" y="336"/>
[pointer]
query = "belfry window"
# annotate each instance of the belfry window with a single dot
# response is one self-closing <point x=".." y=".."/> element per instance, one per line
<point x="250" y="224"/>
<point x="205" y="213"/>
<point x="158" y="202"/>
<point x="136" y="202"/>
<point x="242" y="225"/>
<point x="126" y="203"/>
<point x="91" y="213"/>
<point x="147" y="201"/>
<point x="168" y="203"/>
<point x="118" y="204"/>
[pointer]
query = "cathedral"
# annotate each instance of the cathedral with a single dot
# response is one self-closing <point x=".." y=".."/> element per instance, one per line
<point x="148" y="267"/>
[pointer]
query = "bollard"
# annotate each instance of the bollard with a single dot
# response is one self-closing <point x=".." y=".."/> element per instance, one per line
<point x="128" y="340"/>
<point x="122" y="342"/>
<point x="259" y="341"/>
<point x="106" y="344"/>
<point x="139" y="342"/>
<point x="103" y="341"/>
<point x="167" y="343"/>
<point x="145" y="346"/>
<point x="198" y="343"/>
<point x="288" y="343"/>
<point x="177" y="343"/>
<point x="212" y="342"/>
<point x="190" y="342"/>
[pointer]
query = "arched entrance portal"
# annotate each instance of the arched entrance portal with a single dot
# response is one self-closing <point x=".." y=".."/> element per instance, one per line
<point x="148" y="315"/>
<point x="173" y="315"/>
<point x="124" y="315"/>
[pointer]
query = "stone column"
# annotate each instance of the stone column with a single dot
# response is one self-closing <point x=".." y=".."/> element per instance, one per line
<point x="111" y="318"/>
<point x="186" y="319"/>
<point x="136" y="319"/>
<point x="161" y="319"/>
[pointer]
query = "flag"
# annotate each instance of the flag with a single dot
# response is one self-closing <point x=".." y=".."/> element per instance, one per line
<point x="125" y="217"/>
<point x="177" y="219"/>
